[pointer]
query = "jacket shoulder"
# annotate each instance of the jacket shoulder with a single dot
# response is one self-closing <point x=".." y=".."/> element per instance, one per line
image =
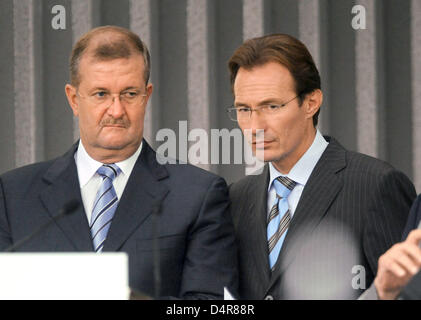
<point x="239" y="188"/>
<point x="27" y="172"/>
<point x="360" y="162"/>
<point x="371" y="168"/>
<point x="180" y="170"/>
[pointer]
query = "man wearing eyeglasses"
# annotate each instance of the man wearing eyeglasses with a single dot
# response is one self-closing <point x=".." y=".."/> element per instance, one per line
<point x="313" y="224"/>
<point x="172" y="220"/>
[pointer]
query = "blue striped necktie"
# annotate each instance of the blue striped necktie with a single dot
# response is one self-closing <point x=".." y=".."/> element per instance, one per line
<point x="277" y="226"/>
<point x="105" y="204"/>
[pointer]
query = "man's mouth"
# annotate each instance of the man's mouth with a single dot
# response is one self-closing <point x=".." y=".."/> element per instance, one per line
<point x="260" y="143"/>
<point x="114" y="124"/>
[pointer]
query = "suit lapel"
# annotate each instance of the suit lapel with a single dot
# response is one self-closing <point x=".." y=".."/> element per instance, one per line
<point x="254" y="226"/>
<point x="142" y="194"/>
<point x="318" y="194"/>
<point x="63" y="186"/>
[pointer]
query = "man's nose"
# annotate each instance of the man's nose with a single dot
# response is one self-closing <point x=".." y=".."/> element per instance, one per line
<point x="254" y="128"/>
<point x="257" y="122"/>
<point x="116" y="109"/>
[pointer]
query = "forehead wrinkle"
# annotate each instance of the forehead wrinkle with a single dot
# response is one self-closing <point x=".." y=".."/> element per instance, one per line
<point x="111" y="74"/>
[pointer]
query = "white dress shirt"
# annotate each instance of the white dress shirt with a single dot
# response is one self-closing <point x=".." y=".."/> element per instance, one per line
<point x="90" y="180"/>
<point x="300" y="173"/>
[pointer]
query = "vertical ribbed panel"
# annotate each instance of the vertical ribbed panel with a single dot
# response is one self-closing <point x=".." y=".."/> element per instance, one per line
<point x="309" y="34"/>
<point x="24" y="75"/>
<point x="141" y="24"/>
<point x="416" y="89"/>
<point x="370" y="78"/>
<point x="198" y="66"/>
<point x="309" y="27"/>
<point x="398" y="88"/>
<point x="172" y="61"/>
<point x="228" y="36"/>
<point x="7" y="88"/>
<point x="82" y="22"/>
<point x="140" y="19"/>
<point x="366" y="83"/>
<point x="341" y="73"/>
<point x="253" y="18"/>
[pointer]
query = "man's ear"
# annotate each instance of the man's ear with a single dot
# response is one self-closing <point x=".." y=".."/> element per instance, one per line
<point x="72" y="99"/>
<point x="313" y="101"/>
<point x="149" y="90"/>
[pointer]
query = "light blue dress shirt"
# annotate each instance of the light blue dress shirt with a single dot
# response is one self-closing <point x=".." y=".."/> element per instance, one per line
<point x="300" y="173"/>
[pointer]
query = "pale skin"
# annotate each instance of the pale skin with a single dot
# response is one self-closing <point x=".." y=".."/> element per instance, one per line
<point x="397" y="266"/>
<point x="111" y="133"/>
<point x="289" y="133"/>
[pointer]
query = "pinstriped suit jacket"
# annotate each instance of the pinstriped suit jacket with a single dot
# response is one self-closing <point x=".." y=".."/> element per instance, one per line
<point x="352" y="209"/>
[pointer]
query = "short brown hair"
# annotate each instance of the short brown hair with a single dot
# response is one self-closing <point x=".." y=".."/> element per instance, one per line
<point x="283" y="49"/>
<point x="117" y="43"/>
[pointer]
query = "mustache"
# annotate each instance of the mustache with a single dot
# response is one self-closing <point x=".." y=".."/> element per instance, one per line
<point x="112" y="121"/>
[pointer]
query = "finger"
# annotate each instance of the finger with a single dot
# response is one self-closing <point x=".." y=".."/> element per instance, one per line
<point x="413" y="252"/>
<point x="396" y="270"/>
<point x="414" y="237"/>
<point x="405" y="261"/>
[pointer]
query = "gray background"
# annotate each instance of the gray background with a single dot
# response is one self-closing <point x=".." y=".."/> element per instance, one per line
<point x="371" y="78"/>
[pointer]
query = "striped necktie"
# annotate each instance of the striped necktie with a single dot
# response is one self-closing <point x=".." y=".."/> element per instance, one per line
<point x="277" y="226"/>
<point x="105" y="204"/>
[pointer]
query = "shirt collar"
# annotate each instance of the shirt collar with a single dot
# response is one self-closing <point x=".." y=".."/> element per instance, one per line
<point x="302" y="170"/>
<point x="87" y="166"/>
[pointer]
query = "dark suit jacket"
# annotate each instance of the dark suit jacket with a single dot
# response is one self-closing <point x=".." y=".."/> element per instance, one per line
<point x="413" y="219"/>
<point x="352" y="209"/>
<point x="194" y="228"/>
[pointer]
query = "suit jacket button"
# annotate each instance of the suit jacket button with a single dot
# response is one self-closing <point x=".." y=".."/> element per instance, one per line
<point x="268" y="297"/>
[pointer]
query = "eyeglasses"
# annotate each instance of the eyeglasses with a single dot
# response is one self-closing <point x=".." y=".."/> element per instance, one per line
<point x="242" y="113"/>
<point x="106" y="99"/>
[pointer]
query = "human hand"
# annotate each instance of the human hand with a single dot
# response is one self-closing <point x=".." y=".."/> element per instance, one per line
<point x="397" y="266"/>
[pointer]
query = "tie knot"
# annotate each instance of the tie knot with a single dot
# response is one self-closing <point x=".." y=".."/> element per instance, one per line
<point x="109" y="170"/>
<point x="284" y="186"/>
<point x="287" y="182"/>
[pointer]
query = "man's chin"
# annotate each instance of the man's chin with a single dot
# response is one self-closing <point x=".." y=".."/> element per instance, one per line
<point x="266" y="155"/>
<point x="114" y="145"/>
<point x="117" y="142"/>
<point x="271" y="158"/>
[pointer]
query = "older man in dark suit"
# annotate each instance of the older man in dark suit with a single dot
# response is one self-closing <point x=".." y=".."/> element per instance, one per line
<point x="129" y="201"/>
<point x="315" y="222"/>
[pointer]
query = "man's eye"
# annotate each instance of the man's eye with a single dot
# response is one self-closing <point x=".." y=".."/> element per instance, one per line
<point x="130" y="94"/>
<point x="243" y="109"/>
<point x="273" y="107"/>
<point x="100" y="94"/>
